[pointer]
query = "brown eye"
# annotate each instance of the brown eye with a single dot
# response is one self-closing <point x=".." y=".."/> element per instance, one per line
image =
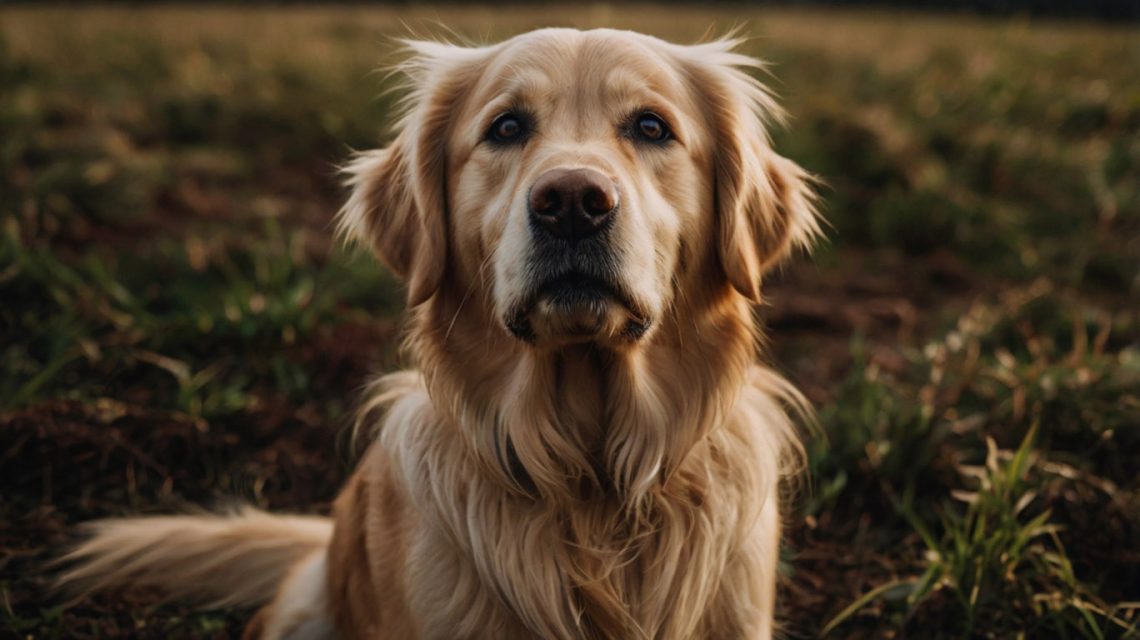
<point x="506" y="129"/>
<point x="651" y="128"/>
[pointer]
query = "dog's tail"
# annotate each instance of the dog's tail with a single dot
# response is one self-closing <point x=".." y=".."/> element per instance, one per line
<point x="238" y="559"/>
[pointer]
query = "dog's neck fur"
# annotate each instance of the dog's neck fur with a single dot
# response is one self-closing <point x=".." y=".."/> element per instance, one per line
<point x="585" y="417"/>
<point x="638" y="535"/>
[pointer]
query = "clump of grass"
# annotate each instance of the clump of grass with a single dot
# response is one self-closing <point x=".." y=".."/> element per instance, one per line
<point x="993" y="556"/>
<point x="1061" y="377"/>
<point x="879" y="444"/>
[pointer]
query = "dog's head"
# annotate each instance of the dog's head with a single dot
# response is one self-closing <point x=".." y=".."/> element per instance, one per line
<point x="583" y="184"/>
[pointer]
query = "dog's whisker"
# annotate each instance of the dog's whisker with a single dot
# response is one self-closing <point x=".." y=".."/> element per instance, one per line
<point x="467" y="294"/>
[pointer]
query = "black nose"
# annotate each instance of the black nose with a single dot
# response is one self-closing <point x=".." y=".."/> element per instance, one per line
<point x="573" y="203"/>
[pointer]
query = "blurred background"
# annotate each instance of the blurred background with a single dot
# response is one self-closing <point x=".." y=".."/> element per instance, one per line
<point x="178" y="326"/>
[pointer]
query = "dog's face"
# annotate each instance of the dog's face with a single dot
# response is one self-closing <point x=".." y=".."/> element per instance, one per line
<point x="577" y="180"/>
<point x="580" y="182"/>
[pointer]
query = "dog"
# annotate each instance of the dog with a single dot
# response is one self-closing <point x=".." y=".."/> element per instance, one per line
<point x="588" y="448"/>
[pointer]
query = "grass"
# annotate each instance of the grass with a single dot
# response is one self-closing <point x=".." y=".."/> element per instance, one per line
<point x="177" y="327"/>
<point x="993" y="563"/>
<point x="989" y="541"/>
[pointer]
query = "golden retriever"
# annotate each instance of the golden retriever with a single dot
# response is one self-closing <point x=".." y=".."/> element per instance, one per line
<point x="588" y="448"/>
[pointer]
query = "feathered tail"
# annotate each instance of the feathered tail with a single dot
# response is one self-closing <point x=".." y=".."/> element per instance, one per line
<point x="221" y="560"/>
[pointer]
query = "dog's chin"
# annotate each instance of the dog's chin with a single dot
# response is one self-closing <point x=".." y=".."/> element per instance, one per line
<point x="575" y="310"/>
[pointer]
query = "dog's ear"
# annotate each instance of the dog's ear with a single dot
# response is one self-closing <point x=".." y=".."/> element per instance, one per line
<point x="398" y="217"/>
<point x="767" y="209"/>
<point x="765" y="203"/>
<point x="399" y="194"/>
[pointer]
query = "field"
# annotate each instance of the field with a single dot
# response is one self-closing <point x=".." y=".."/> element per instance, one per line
<point x="179" y="327"/>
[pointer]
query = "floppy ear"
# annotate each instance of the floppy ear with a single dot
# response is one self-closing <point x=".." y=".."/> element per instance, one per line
<point x="399" y="194"/>
<point x="767" y="208"/>
<point x="384" y="211"/>
<point x="765" y="203"/>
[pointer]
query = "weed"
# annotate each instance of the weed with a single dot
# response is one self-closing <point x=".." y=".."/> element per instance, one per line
<point x="995" y="556"/>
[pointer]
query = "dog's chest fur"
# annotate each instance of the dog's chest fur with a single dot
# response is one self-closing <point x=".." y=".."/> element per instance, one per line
<point x="486" y="563"/>
<point x="586" y="571"/>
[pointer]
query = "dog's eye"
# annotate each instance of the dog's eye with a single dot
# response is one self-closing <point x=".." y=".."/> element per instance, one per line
<point x="649" y="127"/>
<point x="506" y="129"/>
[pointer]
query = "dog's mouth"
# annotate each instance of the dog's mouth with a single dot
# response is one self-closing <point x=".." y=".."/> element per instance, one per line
<point x="578" y="307"/>
<point x="577" y="289"/>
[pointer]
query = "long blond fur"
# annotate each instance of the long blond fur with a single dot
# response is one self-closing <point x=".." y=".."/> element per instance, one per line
<point x="234" y="560"/>
<point x="699" y="441"/>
